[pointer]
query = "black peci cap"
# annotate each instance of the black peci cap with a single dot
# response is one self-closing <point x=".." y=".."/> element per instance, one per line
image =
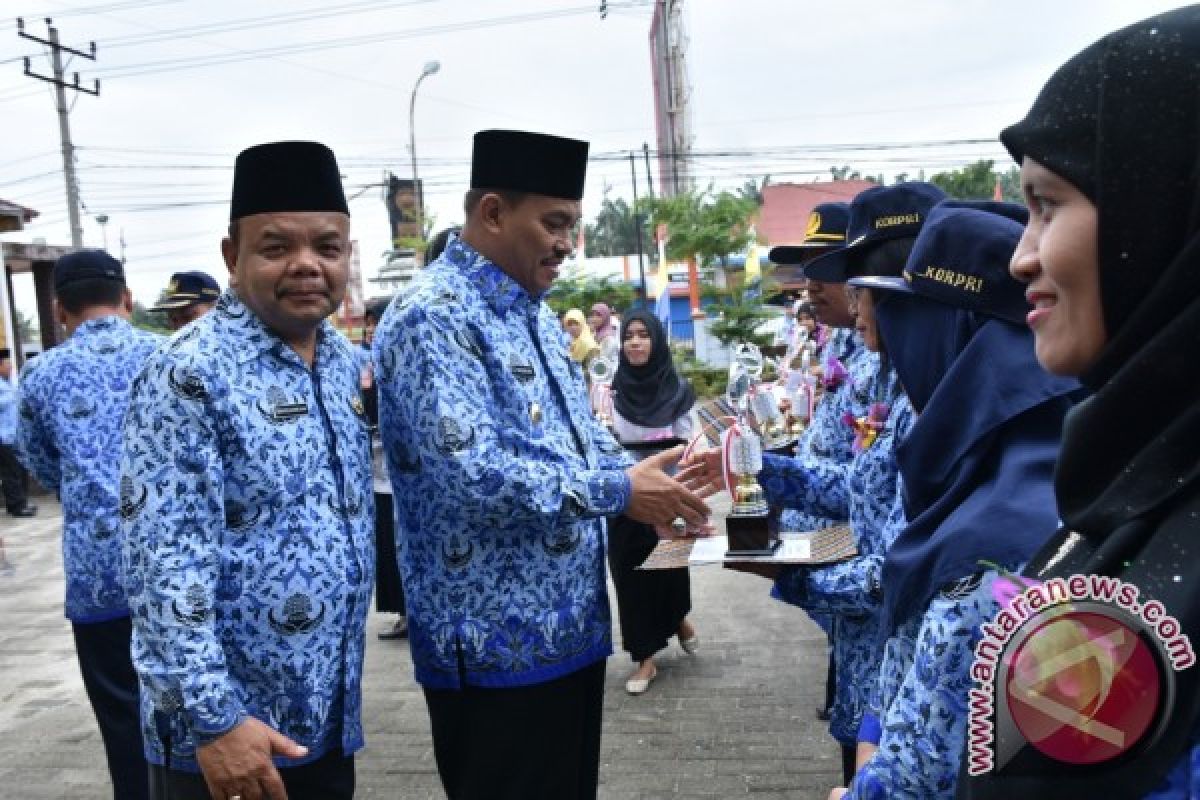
<point x="286" y="176"/>
<point x="537" y="163"/>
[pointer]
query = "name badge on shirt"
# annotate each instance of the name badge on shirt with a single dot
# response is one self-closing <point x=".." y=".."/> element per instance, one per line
<point x="280" y="412"/>
<point x="286" y="411"/>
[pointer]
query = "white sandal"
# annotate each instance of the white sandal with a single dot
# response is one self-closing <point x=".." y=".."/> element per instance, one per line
<point x="637" y="686"/>
<point x="690" y="645"/>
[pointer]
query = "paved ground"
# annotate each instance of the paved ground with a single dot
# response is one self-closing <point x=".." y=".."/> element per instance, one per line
<point x="734" y="720"/>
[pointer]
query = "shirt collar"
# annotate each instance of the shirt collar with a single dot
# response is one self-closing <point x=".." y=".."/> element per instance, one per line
<point x="256" y="338"/>
<point x="107" y="323"/>
<point x="497" y="287"/>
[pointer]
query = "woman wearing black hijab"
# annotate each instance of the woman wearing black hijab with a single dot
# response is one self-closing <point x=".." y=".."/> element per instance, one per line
<point x="1110" y="167"/>
<point x="652" y="408"/>
<point x="976" y="469"/>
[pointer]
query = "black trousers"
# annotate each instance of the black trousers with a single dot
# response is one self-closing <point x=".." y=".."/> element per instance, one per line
<point x="15" y="478"/>
<point x="849" y="756"/>
<point x="538" y="742"/>
<point x="330" y="777"/>
<point x="651" y="604"/>
<point x="112" y="688"/>
<point x="389" y="593"/>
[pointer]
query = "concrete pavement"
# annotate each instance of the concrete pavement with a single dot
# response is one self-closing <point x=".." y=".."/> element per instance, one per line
<point x="734" y="720"/>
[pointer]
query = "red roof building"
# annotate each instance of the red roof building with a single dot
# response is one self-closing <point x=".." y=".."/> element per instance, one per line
<point x="783" y="217"/>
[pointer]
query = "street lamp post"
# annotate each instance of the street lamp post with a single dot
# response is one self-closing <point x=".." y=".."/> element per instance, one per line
<point x="430" y="68"/>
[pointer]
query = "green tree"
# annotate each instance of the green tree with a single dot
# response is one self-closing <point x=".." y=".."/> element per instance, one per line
<point x="27" y="329"/>
<point x="147" y="320"/>
<point x="710" y="228"/>
<point x="702" y="225"/>
<point x="740" y="313"/>
<point x="614" y="231"/>
<point x="1010" y="185"/>
<point x="977" y="181"/>
<point x="752" y="190"/>
<point x="584" y="291"/>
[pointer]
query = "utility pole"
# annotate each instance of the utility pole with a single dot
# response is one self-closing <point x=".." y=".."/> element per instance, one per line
<point x="64" y="126"/>
<point x="637" y="228"/>
<point x="649" y="180"/>
<point x="672" y="91"/>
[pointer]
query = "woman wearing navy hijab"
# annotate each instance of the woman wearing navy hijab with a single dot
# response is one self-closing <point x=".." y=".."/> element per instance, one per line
<point x="1110" y="167"/>
<point x="976" y="469"/>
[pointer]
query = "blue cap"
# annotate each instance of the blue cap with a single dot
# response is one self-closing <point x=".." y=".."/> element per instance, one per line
<point x="961" y="258"/>
<point x="876" y="215"/>
<point x="188" y="289"/>
<point x="87" y="265"/>
<point x="826" y="230"/>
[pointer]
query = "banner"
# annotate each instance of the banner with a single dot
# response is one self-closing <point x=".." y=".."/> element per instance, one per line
<point x="402" y="209"/>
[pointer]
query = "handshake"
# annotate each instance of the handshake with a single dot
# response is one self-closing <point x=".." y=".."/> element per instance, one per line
<point x="675" y="505"/>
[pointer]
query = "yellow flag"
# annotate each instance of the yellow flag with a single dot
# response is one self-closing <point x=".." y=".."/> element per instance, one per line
<point x="753" y="270"/>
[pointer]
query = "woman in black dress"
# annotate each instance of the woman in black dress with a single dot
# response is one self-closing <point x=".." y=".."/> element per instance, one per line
<point x="652" y="412"/>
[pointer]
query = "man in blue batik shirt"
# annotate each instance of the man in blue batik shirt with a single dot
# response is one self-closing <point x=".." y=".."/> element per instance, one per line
<point x="502" y="478"/>
<point x="72" y="400"/>
<point x="248" y="513"/>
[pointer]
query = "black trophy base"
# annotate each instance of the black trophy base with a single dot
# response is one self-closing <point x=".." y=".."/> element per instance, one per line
<point x="752" y="534"/>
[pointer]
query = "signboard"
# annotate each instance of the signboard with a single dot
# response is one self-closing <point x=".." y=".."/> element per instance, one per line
<point x="402" y="209"/>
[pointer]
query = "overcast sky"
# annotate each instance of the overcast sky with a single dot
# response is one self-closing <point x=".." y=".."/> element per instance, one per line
<point x="156" y="148"/>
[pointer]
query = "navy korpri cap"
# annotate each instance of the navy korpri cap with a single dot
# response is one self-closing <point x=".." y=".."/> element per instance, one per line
<point x="537" y="163"/>
<point x="87" y="265"/>
<point x="961" y="258"/>
<point x="826" y="230"/>
<point x="188" y="289"/>
<point x="286" y="176"/>
<point x="876" y="215"/>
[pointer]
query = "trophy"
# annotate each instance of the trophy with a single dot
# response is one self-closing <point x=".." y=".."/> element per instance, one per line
<point x="760" y="399"/>
<point x="751" y="527"/>
<point x="801" y="394"/>
<point x="601" y="371"/>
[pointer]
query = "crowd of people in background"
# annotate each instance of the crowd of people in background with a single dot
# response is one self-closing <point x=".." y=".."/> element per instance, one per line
<point x="1008" y="398"/>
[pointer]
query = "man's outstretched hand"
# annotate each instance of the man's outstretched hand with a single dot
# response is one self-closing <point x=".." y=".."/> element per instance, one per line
<point x="657" y="499"/>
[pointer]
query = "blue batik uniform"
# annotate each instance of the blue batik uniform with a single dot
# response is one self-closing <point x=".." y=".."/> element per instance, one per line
<point x="866" y="493"/>
<point x="72" y="400"/>
<point x="8" y="413"/>
<point x="248" y="522"/>
<point x="827" y="441"/>
<point x="918" y="709"/>
<point x="501" y="477"/>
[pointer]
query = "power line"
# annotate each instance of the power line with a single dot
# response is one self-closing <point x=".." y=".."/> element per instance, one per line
<point x="250" y="23"/>
<point x="296" y="48"/>
<point x="58" y="81"/>
<point x="105" y="8"/>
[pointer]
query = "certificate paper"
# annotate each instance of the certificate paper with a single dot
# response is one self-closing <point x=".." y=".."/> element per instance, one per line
<point x="825" y="546"/>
